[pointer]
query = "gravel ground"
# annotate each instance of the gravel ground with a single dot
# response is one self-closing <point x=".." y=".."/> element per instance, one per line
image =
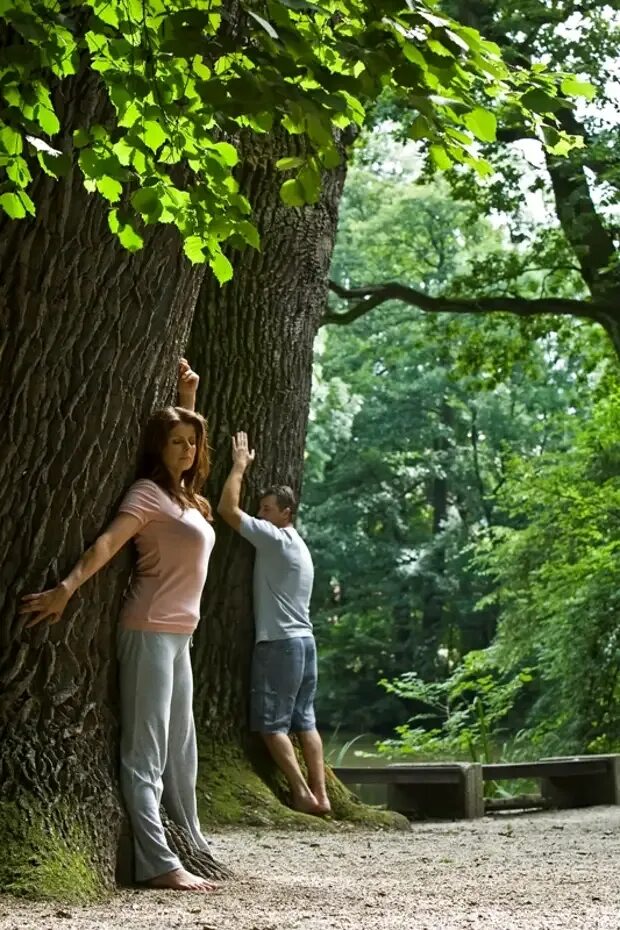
<point x="545" y="871"/>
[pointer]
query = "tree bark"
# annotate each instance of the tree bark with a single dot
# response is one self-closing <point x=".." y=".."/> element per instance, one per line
<point x="252" y="341"/>
<point x="90" y="339"/>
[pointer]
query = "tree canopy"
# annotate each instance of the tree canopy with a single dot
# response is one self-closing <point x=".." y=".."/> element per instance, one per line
<point x="575" y="244"/>
<point x="147" y="100"/>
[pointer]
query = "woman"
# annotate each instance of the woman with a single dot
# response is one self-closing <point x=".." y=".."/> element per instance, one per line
<point x="170" y="523"/>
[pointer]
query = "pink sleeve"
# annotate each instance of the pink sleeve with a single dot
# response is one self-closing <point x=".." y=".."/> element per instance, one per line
<point x="141" y="501"/>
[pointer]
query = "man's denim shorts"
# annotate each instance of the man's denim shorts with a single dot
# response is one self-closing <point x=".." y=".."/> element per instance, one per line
<point x="284" y="679"/>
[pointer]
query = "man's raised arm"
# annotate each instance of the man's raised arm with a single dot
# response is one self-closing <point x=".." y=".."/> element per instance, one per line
<point x="228" y="507"/>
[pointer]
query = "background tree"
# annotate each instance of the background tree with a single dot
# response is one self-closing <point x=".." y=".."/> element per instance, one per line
<point x="416" y="421"/>
<point x="577" y="246"/>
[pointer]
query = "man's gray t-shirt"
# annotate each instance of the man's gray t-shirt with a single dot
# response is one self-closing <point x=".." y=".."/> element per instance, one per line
<point x="283" y="576"/>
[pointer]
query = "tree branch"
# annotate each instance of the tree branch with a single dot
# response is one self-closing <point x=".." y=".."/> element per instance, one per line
<point x="373" y="295"/>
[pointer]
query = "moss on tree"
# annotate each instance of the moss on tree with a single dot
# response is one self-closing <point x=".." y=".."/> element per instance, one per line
<point x="50" y="854"/>
<point x="232" y="790"/>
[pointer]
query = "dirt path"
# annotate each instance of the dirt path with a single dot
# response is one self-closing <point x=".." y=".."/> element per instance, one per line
<point x="553" y="871"/>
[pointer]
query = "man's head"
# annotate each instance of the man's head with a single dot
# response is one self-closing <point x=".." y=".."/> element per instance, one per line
<point x="277" y="505"/>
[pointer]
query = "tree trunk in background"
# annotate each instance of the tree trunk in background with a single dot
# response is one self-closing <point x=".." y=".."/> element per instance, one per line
<point x="90" y="340"/>
<point x="252" y="343"/>
<point x="433" y="594"/>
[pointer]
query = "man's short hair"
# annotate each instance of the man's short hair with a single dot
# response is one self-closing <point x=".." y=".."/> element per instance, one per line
<point x="283" y="495"/>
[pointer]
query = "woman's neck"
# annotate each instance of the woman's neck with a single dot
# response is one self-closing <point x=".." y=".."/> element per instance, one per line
<point x="176" y="482"/>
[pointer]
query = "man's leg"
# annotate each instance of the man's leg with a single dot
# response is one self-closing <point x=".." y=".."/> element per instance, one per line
<point x="283" y="754"/>
<point x="312" y="748"/>
<point x="277" y="672"/>
<point x="304" y="724"/>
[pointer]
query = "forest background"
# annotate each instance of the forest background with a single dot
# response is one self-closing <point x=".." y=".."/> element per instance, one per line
<point x="461" y="481"/>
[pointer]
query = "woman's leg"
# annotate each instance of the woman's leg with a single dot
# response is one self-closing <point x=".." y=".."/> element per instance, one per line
<point x="179" y="778"/>
<point x="146" y="675"/>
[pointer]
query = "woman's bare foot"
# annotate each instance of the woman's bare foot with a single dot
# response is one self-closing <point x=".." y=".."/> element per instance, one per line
<point x="180" y="880"/>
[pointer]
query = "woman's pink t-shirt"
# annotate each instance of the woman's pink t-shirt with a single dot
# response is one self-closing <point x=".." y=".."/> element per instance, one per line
<point x="173" y="546"/>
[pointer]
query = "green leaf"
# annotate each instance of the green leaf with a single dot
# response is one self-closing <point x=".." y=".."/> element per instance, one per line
<point x="10" y="141"/>
<point x="128" y="236"/>
<point x="250" y="233"/>
<point x="56" y="166"/>
<point x="292" y="193"/>
<point x="47" y="119"/>
<point x="319" y="130"/>
<point x="303" y="5"/>
<point x="110" y="188"/>
<point x="222" y="268"/>
<point x="107" y="12"/>
<point x="146" y="200"/>
<point x="18" y="172"/>
<point x="482" y="124"/>
<point x="440" y="157"/>
<point x="330" y="157"/>
<point x="12" y="206"/>
<point x="228" y="152"/>
<point x="310" y="179"/>
<point x="293" y="161"/>
<point x="17" y="205"/>
<point x="263" y="22"/>
<point x="574" y="88"/>
<point x="153" y="134"/>
<point x="91" y="163"/>
<point x="193" y="247"/>
<point x="540" y="102"/>
<point x="81" y="137"/>
<point x="130" y="239"/>
<point x="420" y="128"/>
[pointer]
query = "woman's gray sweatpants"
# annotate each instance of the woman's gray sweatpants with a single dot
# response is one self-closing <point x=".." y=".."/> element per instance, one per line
<point x="159" y="761"/>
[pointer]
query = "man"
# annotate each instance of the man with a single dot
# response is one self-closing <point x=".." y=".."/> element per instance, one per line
<point x="284" y="661"/>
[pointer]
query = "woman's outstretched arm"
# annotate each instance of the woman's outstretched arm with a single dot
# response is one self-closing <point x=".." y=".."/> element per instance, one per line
<point x="51" y="604"/>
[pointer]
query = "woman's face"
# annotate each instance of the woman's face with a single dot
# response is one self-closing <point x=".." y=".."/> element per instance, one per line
<point x="179" y="453"/>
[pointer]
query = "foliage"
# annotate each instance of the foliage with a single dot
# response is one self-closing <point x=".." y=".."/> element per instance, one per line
<point x="148" y="100"/>
<point x="415" y="422"/>
<point x="557" y="583"/>
<point x="466" y="712"/>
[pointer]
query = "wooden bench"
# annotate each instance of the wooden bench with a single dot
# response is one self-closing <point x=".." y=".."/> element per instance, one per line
<point x="566" y="781"/>
<point x="456" y="789"/>
<point x="418" y="790"/>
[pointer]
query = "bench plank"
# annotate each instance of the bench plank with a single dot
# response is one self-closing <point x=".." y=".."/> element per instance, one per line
<point x="417" y="774"/>
<point x="496" y="771"/>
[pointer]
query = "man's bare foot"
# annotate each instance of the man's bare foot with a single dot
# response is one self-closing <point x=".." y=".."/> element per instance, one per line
<point x="323" y="802"/>
<point x="305" y="803"/>
<point x="180" y="880"/>
<point x="320" y="796"/>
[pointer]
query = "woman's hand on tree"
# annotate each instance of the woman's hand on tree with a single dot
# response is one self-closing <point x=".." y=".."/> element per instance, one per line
<point x="187" y="384"/>
<point x="47" y="604"/>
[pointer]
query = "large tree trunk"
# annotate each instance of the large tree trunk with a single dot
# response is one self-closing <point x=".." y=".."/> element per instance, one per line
<point x="252" y="343"/>
<point x="90" y="340"/>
